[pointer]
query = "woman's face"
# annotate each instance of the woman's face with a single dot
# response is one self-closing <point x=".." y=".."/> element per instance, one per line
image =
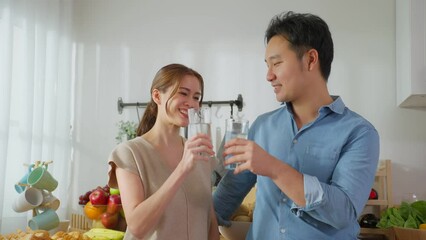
<point x="188" y="96"/>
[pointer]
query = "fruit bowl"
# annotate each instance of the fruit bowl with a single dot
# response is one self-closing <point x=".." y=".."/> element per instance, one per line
<point x="237" y="231"/>
<point x="102" y="207"/>
<point x="105" y="216"/>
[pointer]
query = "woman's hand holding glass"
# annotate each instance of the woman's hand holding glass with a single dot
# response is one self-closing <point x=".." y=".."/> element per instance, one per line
<point x="197" y="148"/>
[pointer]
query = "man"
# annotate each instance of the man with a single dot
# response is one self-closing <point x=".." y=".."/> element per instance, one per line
<point x="313" y="159"/>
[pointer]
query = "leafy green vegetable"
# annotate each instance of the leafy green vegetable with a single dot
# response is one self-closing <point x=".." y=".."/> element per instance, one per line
<point x="407" y="216"/>
<point x="421" y="207"/>
<point x="405" y="210"/>
<point x="391" y="217"/>
<point x="411" y="223"/>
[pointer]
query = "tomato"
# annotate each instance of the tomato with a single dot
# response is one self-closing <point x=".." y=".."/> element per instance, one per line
<point x="93" y="212"/>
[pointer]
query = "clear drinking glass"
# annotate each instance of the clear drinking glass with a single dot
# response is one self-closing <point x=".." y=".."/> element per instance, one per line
<point x="199" y="122"/>
<point x="235" y="129"/>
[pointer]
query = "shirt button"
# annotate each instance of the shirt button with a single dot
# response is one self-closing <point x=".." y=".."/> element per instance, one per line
<point x="282" y="230"/>
<point x="284" y="200"/>
<point x="295" y="141"/>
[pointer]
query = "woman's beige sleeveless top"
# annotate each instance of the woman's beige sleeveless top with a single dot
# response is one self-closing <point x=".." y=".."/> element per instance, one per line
<point x="188" y="214"/>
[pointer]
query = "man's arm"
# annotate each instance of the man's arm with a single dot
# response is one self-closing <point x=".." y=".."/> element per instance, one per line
<point x="230" y="193"/>
<point x="335" y="203"/>
<point x="344" y="198"/>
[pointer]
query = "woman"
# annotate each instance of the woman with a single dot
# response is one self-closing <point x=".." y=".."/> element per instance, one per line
<point x="164" y="180"/>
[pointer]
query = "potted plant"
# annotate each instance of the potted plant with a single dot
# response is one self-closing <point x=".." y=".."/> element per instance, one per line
<point x="126" y="131"/>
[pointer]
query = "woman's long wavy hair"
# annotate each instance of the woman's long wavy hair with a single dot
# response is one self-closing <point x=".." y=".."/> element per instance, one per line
<point x="167" y="76"/>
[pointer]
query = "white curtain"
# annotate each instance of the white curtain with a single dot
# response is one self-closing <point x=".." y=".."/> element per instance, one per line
<point x="36" y="62"/>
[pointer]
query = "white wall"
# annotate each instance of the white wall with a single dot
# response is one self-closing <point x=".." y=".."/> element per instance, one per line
<point x="121" y="45"/>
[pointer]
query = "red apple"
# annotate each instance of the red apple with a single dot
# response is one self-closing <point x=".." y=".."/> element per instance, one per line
<point x="109" y="220"/>
<point x="99" y="197"/>
<point x="114" y="204"/>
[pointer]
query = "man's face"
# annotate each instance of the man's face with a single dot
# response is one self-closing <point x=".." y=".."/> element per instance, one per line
<point x="285" y="70"/>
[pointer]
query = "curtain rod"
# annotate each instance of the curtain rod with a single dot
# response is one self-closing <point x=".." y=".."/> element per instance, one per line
<point x="238" y="102"/>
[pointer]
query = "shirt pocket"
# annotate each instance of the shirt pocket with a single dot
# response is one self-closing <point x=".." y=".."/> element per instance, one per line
<point x="319" y="160"/>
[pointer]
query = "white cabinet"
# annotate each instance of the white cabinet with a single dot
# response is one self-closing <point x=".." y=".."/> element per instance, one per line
<point x="411" y="53"/>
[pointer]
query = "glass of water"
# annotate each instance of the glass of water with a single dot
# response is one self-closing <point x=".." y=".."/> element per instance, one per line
<point x="199" y="121"/>
<point x="235" y="129"/>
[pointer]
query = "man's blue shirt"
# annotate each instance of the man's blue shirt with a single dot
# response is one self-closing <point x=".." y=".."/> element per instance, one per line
<point x="337" y="154"/>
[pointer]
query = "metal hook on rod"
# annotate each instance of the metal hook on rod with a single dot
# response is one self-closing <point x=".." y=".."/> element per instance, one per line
<point x="121" y="105"/>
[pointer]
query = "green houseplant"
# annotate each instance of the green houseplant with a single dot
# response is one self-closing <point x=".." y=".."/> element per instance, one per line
<point x="126" y="131"/>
